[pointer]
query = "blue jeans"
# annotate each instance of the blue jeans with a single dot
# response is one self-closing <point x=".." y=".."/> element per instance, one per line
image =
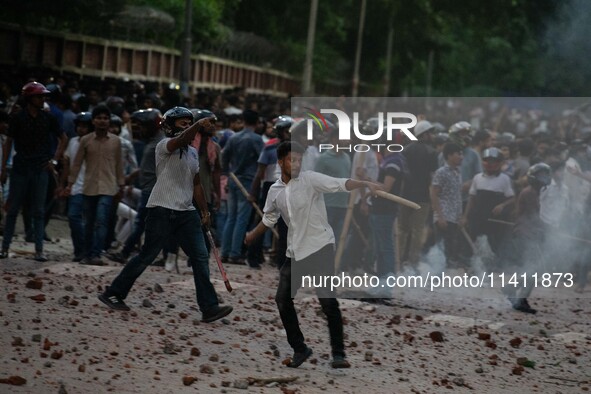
<point x="185" y="227"/>
<point x="220" y="219"/>
<point x="76" y="221"/>
<point x="382" y="231"/>
<point x="27" y="181"/>
<point x="96" y="212"/>
<point x="239" y="210"/>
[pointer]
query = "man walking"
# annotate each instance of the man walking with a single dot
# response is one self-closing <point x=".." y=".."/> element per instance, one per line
<point x="298" y="199"/>
<point x="171" y="213"/>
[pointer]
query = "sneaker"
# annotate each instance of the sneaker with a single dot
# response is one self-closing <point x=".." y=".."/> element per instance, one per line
<point x="522" y="305"/>
<point x="299" y="357"/>
<point x="39" y="256"/>
<point x="340" y="362"/>
<point x="217" y="313"/>
<point x="113" y="302"/>
<point x="170" y="262"/>
<point x="4" y="254"/>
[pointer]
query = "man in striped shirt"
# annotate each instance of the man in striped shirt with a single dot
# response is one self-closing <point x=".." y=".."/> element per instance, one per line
<point x="171" y="213"/>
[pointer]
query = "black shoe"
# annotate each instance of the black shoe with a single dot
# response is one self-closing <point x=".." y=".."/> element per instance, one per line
<point x="113" y="302"/>
<point x="93" y="261"/>
<point x="236" y="260"/>
<point x="77" y="259"/>
<point x="522" y="305"/>
<point x="217" y="313"/>
<point x="39" y="256"/>
<point x="299" y="357"/>
<point x="118" y="257"/>
<point x="4" y="254"/>
<point x="340" y="362"/>
<point x="254" y="266"/>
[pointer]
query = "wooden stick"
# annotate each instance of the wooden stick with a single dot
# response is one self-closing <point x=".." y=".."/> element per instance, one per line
<point x="500" y="119"/>
<point x="501" y="222"/>
<point x="348" y="217"/>
<point x="399" y="200"/>
<point x="359" y="232"/>
<point x="468" y="239"/>
<point x="556" y="232"/>
<point x="344" y="231"/>
<point x="218" y="259"/>
<point x="246" y="195"/>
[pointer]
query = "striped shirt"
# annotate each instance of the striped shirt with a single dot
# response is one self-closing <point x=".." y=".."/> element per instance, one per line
<point x="174" y="178"/>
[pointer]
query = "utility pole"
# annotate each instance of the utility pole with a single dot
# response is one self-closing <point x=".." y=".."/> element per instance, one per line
<point x="429" y="79"/>
<point x="388" y="59"/>
<point x="358" y="51"/>
<point x="186" y="52"/>
<point x="307" y="80"/>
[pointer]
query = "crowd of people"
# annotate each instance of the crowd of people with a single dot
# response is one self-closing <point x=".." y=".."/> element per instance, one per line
<point x="136" y="165"/>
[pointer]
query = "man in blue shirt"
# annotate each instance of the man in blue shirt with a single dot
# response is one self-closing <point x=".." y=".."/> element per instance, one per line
<point x="240" y="156"/>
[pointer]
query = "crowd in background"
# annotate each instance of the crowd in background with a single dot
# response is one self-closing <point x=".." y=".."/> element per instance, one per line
<point x="475" y="171"/>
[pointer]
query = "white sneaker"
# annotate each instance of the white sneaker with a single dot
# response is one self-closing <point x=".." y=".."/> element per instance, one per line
<point x="170" y="262"/>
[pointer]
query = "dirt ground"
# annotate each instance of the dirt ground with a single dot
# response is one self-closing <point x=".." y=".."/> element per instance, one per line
<point x="56" y="337"/>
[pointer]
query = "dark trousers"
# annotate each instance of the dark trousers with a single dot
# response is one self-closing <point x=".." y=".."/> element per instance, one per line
<point x="452" y="243"/>
<point x="330" y="306"/>
<point x="49" y="207"/>
<point x="185" y="227"/>
<point x="26" y="181"/>
<point x="281" y="247"/>
<point x="76" y="221"/>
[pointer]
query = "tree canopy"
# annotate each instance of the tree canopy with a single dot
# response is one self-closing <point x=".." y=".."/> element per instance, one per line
<point x="499" y="47"/>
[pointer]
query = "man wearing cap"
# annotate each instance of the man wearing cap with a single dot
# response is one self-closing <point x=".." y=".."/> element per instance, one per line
<point x="33" y="164"/>
<point x="459" y="133"/>
<point x="421" y="159"/>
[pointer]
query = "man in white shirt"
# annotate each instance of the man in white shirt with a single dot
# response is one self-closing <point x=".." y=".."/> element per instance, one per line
<point x="298" y="198"/>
